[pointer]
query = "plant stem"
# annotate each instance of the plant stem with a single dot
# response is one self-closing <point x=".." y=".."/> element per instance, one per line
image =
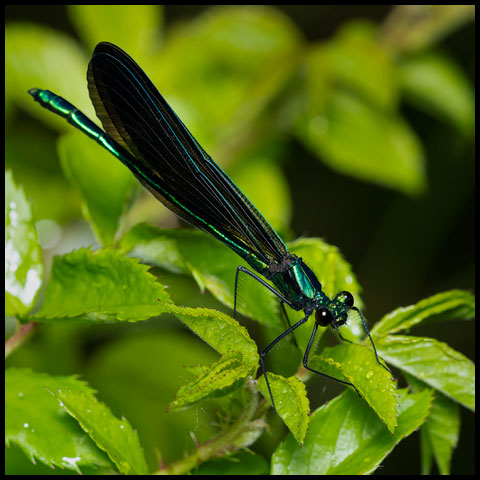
<point x="19" y="338"/>
<point x="220" y="444"/>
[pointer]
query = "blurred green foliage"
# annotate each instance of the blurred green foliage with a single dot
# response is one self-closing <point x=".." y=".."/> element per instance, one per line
<point x="260" y="98"/>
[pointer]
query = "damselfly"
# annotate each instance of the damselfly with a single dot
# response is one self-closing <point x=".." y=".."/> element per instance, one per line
<point x="144" y="133"/>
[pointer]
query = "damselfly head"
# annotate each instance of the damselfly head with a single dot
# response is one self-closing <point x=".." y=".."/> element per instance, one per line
<point x="335" y="313"/>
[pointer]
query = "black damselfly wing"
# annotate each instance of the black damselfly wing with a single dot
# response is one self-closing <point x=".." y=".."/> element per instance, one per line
<point x="170" y="162"/>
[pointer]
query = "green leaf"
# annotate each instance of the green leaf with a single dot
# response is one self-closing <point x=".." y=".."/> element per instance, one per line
<point x="39" y="57"/>
<point x="442" y="429"/>
<point x="432" y="362"/>
<point x="356" y="60"/>
<point x="349" y="119"/>
<point x="345" y="437"/>
<point x="157" y="246"/>
<point x="220" y="331"/>
<point x="116" y="437"/>
<point x="101" y="286"/>
<point x="130" y="26"/>
<point x="434" y="83"/>
<point x="450" y="305"/>
<point x="439" y="434"/>
<point x="357" y="364"/>
<point x="23" y="256"/>
<point x="140" y="372"/>
<point x="211" y="264"/>
<point x="260" y="177"/>
<point x="355" y="138"/>
<point x="102" y="180"/>
<point x="213" y="381"/>
<point x="233" y="54"/>
<point x="104" y="285"/>
<point x="291" y="402"/>
<point x="35" y="422"/>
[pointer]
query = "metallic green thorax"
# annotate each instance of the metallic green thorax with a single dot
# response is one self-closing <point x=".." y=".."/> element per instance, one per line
<point x="297" y="283"/>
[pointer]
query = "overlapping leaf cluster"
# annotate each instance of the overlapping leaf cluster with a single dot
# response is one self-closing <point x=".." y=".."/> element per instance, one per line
<point x="345" y="119"/>
<point x="98" y="286"/>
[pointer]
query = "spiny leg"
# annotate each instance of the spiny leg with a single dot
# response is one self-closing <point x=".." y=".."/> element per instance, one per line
<point x="283" y="300"/>
<point x="285" y="314"/>
<point x="241" y="268"/>
<point x="288" y="322"/>
<point x="269" y="347"/>
<point x="305" y="362"/>
<point x="341" y="337"/>
<point x="371" y="341"/>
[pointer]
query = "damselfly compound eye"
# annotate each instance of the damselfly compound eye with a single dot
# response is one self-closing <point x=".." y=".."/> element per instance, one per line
<point x="323" y="317"/>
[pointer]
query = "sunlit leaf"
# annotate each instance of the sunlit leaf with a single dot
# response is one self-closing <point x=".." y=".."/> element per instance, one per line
<point x="345" y="437"/>
<point x="116" y="437"/>
<point x="23" y="257"/>
<point x="355" y="138"/>
<point x="357" y="61"/>
<point x="291" y="402"/>
<point x="357" y="364"/>
<point x="35" y="422"/>
<point x="220" y="331"/>
<point x="450" y="305"/>
<point x="434" y="363"/>
<point x="435" y="84"/>
<point x="100" y="286"/>
<point x="37" y="57"/>
<point x="213" y="381"/>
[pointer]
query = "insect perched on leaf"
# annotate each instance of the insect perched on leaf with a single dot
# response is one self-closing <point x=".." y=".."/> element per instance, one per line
<point x="145" y="134"/>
